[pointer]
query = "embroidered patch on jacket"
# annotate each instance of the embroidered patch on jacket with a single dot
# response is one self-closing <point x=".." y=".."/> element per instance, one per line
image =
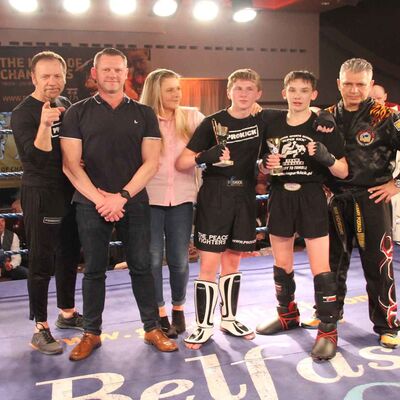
<point x="365" y="138"/>
<point x="397" y="124"/>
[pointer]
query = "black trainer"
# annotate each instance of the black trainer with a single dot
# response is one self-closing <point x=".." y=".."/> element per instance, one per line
<point x="44" y="342"/>
<point x="75" y="322"/>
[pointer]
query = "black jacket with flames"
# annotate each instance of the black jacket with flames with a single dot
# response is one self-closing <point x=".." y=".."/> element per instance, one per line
<point x="371" y="141"/>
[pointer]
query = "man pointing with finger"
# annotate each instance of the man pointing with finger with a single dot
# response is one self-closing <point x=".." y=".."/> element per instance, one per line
<point x="45" y="196"/>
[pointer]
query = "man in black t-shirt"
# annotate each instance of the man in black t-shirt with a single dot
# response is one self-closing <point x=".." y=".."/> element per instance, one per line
<point x="119" y="141"/>
<point x="45" y="196"/>
<point x="360" y="209"/>
<point x="297" y="204"/>
<point x="225" y="214"/>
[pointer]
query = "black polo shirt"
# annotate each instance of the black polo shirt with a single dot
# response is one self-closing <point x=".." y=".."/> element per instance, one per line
<point x="111" y="140"/>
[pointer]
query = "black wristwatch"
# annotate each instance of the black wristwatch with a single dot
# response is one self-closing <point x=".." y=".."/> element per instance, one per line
<point x="125" y="194"/>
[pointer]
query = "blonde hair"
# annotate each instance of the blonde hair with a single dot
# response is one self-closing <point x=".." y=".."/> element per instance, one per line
<point x="245" y="74"/>
<point x="151" y="96"/>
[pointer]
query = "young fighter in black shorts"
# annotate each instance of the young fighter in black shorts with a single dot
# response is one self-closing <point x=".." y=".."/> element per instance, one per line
<point x="225" y="220"/>
<point x="298" y="204"/>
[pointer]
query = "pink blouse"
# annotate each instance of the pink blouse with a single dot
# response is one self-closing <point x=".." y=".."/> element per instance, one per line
<point x="170" y="187"/>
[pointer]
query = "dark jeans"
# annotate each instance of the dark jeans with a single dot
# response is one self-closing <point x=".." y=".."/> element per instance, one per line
<point x="175" y="223"/>
<point x="53" y="243"/>
<point x="95" y="234"/>
<point x="17" y="273"/>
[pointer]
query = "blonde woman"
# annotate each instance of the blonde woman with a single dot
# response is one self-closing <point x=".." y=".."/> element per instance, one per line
<point x="171" y="194"/>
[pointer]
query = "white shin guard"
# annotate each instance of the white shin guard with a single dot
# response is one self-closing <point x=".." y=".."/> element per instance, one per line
<point x="229" y="286"/>
<point x="205" y="300"/>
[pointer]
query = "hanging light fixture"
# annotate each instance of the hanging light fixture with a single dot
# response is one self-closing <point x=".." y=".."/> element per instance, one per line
<point x="122" y="7"/>
<point x="243" y="10"/>
<point x="76" y="6"/>
<point x="165" y="8"/>
<point x="25" y="6"/>
<point x="205" y="10"/>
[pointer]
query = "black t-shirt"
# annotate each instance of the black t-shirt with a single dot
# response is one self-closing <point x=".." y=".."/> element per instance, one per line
<point x="244" y="142"/>
<point x="41" y="168"/>
<point x="111" y="140"/>
<point x="297" y="165"/>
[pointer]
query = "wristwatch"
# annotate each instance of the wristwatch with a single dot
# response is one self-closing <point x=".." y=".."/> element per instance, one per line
<point x="125" y="194"/>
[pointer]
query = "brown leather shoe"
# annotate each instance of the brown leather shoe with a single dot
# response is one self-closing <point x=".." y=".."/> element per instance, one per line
<point x="158" y="339"/>
<point x="85" y="347"/>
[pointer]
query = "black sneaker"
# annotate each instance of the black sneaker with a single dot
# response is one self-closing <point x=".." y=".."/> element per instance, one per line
<point x="75" y="322"/>
<point x="44" y="342"/>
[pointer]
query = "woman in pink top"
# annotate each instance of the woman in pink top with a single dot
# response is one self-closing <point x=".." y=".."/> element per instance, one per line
<point x="171" y="193"/>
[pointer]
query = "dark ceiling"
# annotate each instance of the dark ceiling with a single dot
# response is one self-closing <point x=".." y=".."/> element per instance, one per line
<point x="302" y="5"/>
<point x="373" y="24"/>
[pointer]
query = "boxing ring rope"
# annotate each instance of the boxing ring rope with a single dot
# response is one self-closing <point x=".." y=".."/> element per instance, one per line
<point x="118" y="243"/>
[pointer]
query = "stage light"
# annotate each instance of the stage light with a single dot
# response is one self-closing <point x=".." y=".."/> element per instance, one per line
<point x="24" y="5"/>
<point x="243" y="11"/>
<point x="123" y="7"/>
<point x="165" y="8"/>
<point x="76" y="6"/>
<point x="205" y="10"/>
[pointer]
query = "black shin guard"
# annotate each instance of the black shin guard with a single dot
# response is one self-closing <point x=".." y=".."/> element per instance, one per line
<point x="325" y="299"/>
<point x="288" y="314"/>
<point x="285" y="286"/>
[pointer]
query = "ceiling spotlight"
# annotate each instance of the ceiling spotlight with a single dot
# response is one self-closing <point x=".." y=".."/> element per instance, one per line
<point x="24" y="5"/>
<point x="76" y="6"/>
<point x="243" y="11"/>
<point x="122" y="7"/>
<point x="165" y="8"/>
<point x="205" y="10"/>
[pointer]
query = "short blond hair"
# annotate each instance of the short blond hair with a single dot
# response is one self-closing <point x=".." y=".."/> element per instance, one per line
<point x="356" y="65"/>
<point x="244" y="74"/>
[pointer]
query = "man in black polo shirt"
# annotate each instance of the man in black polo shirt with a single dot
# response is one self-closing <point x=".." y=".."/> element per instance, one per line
<point x="119" y="142"/>
<point x="45" y="196"/>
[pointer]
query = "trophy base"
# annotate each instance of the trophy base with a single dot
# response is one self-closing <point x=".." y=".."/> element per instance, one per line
<point x="277" y="171"/>
<point x="223" y="163"/>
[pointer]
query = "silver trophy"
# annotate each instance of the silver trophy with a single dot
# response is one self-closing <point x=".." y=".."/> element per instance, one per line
<point x="274" y="145"/>
<point x="221" y="135"/>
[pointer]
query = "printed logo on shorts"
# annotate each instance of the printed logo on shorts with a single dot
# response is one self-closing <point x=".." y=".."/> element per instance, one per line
<point x="365" y="138"/>
<point x="217" y="240"/>
<point x="52" y="220"/>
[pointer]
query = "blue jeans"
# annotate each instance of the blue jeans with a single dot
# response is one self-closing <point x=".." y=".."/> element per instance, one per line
<point x="95" y="235"/>
<point x="175" y="222"/>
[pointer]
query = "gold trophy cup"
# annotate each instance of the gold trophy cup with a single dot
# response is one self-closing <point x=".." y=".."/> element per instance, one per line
<point x="221" y="135"/>
<point x="274" y="145"/>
